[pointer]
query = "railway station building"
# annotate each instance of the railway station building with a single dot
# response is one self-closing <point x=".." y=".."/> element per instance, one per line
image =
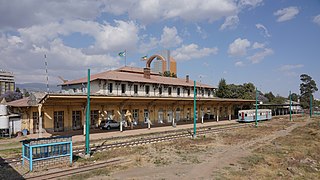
<point x="135" y="95"/>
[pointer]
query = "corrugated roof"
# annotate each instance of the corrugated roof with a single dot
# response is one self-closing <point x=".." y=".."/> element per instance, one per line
<point x="133" y="74"/>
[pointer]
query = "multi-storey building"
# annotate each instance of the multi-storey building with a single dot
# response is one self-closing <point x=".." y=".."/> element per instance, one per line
<point x="6" y="82"/>
<point x="144" y="95"/>
<point x="169" y="63"/>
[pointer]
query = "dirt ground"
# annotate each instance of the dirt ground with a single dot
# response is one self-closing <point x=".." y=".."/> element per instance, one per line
<point x="277" y="149"/>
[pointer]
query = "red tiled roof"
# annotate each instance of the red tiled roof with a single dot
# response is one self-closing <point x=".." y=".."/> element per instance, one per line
<point x="19" y="103"/>
<point x="133" y="74"/>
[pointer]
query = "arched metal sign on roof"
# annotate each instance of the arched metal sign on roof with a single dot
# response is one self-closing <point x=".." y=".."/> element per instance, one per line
<point x="148" y="63"/>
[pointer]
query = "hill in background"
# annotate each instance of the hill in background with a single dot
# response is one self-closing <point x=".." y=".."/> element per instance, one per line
<point x="38" y="87"/>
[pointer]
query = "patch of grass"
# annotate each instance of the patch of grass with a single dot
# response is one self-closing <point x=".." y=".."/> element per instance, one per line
<point x="295" y="156"/>
<point x="93" y="173"/>
<point x="11" y="153"/>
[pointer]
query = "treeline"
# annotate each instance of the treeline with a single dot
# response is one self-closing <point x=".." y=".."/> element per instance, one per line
<point x="248" y="91"/>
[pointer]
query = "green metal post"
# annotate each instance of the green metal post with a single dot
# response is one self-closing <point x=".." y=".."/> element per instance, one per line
<point x="88" y="116"/>
<point x="310" y="105"/>
<point x="194" y="109"/>
<point x="290" y="105"/>
<point x="256" y="107"/>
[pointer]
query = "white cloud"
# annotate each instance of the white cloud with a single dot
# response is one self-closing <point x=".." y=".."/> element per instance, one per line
<point x="239" y="64"/>
<point x="265" y="30"/>
<point x="316" y="19"/>
<point x="122" y="35"/>
<point x="20" y="14"/>
<point x="239" y="47"/>
<point x="290" y="67"/>
<point x="252" y="3"/>
<point x="286" y="14"/>
<point x="202" y="32"/>
<point x="231" y="22"/>
<point x="170" y="37"/>
<point x="257" y="45"/>
<point x="62" y="60"/>
<point x="192" y="51"/>
<point x="259" y="56"/>
<point x="148" y="11"/>
<point x="148" y="46"/>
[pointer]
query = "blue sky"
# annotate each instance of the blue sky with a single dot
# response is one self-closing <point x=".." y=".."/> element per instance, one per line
<point x="269" y="43"/>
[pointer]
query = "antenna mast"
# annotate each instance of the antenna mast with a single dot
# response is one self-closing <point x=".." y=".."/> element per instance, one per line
<point x="46" y="64"/>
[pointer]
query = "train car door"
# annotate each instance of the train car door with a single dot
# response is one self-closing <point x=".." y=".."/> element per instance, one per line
<point x="267" y="115"/>
<point x="242" y="115"/>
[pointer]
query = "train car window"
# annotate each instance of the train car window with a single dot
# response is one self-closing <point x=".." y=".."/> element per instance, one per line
<point x="260" y="114"/>
<point x="245" y="115"/>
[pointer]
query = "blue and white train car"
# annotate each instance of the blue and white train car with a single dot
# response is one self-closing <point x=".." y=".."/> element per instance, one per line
<point x="250" y="115"/>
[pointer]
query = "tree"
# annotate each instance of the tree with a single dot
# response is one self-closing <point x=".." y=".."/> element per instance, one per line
<point x="294" y="97"/>
<point x="12" y="96"/>
<point x="166" y="73"/>
<point x="279" y="100"/>
<point x="223" y="89"/>
<point x="25" y="93"/>
<point x="270" y="96"/>
<point x="307" y="88"/>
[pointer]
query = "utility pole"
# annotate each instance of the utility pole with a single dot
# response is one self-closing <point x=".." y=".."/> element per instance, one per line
<point x="290" y="105"/>
<point x="256" y="107"/>
<point x="194" y="110"/>
<point x="311" y="105"/>
<point x="88" y="117"/>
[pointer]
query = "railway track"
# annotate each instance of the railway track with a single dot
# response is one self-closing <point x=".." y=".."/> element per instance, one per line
<point x="180" y="134"/>
<point x="75" y="171"/>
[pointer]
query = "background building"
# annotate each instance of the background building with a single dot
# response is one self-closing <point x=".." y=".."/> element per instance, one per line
<point x="169" y="65"/>
<point x="6" y="82"/>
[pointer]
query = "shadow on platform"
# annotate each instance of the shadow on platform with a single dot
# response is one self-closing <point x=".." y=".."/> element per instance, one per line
<point x="8" y="172"/>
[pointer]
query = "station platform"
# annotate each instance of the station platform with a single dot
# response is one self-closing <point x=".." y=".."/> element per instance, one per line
<point x="132" y="132"/>
<point x="105" y="134"/>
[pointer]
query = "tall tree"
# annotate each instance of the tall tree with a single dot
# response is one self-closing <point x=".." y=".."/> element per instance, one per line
<point x="294" y="97"/>
<point x="307" y="88"/>
<point x="223" y="89"/>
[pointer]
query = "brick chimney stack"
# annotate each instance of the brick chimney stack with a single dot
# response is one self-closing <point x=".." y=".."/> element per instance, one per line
<point x="187" y="78"/>
<point x="146" y="73"/>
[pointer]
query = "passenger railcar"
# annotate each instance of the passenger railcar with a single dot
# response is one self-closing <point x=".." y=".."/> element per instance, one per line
<point x="250" y="115"/>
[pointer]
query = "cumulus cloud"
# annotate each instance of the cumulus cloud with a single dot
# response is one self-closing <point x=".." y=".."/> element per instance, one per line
<point x="259" y="56"/>
<point x="252" y="3"/>
<point x="60" y="58"/>
<point x="192" y="51"/>
<point x="239" y="64"/>
<point x="122" y="35"/>
<point x="257" y="45"/>
<point x="231" y="22"/>
<point x="239" y="47"/>
<point x="316" y="19"/>
<point x="146" y="46"/>
<point x="31" y="43"/>
<point x="265" y="30"/>
<point x="148" y="11"/>
<point x="286" y="14"/>
<point x="170" y="37"/>
<point x="20" y="14"/>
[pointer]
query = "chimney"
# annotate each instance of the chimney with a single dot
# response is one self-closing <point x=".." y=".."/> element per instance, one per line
<point x="146" y="73"/>
<point x="187" y="78"/>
